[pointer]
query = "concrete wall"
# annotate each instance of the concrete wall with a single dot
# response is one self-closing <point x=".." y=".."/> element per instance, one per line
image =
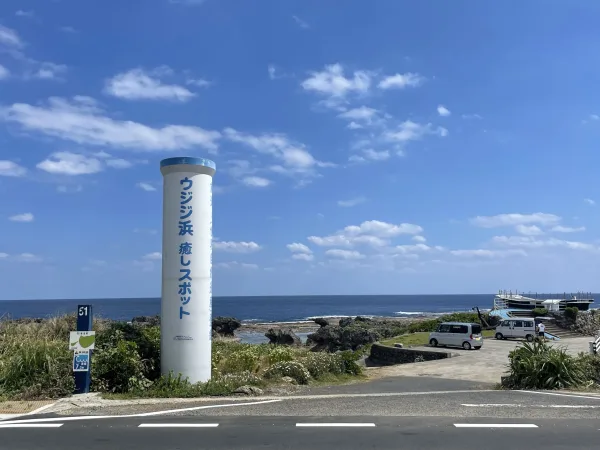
<point x="383" y="354"/>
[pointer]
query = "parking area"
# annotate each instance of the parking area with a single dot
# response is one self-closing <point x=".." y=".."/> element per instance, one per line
<point x="486" y="365"/>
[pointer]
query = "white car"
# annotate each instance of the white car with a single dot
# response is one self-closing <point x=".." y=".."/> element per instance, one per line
<point x="516" y="328"/>
<point x="457" y="334"/>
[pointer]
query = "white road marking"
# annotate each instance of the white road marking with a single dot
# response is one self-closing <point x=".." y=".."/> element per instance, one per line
<point x="155" y="413"/>
<point x="9" y="416"/>
<point x="31" y="425"/>
<point x="559" y="395"/>
<point x="178" y="425"/>
<point x="516" y="405"/>
<point x="335" y="424"/>
<point x="495" y="425"/>
<point x="14" y="416"/>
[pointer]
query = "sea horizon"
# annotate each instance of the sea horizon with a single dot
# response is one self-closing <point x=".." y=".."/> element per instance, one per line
<point x="264" y="308"/>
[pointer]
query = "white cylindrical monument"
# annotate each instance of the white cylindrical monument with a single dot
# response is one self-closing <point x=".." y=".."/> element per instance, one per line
<point x="186" y="303"/>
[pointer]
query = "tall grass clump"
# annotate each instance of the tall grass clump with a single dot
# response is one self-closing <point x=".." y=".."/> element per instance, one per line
<point x="539" y="366"/>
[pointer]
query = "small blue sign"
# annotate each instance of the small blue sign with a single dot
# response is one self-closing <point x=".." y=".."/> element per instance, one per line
<point x="81" y="361"/>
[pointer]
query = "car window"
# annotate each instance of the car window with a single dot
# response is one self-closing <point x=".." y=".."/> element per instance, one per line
<point x="505" y="323"/>
<point x="461" y="329"/>
<point x="519" y="323"/>
<point x="443" y="329"/>
<point x="476" y="329"/>
<point x="528" y="324"/>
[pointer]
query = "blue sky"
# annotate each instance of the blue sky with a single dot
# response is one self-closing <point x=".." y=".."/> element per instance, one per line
<point x="387" y="147"/>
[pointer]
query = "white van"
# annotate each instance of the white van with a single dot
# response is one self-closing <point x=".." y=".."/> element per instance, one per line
<point x="516" y="328"/>
<point x="457" y="334"/>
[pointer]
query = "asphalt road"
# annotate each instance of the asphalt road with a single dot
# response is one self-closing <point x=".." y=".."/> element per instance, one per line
<point x="368" y="432"/>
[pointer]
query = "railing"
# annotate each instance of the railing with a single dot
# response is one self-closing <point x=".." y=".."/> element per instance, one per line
<point x="500" y="303"/>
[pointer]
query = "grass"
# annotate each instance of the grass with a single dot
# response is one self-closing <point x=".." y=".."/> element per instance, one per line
<point x="35" y="363"/>
<point x="421" y="338"/>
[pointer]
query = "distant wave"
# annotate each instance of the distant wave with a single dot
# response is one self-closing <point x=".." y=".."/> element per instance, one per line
<point x="411" y="313"/>
<point x="341" y="316"/>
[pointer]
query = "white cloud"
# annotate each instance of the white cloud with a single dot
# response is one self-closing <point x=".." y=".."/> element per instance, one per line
<point x="80" y="120"/>
<point x="22" y="13"/>
<point x="10" y="38"/>
<point x="331" y="82"/>
<point x="443" y="111"/>
<point x="412" y="131"/>
<point x="48" y="71"/>
<point x="482" y="253"/>
<point x="11" y="169"/>
<point x="589" y="201"/>
<point x="529" y="230"/>
<point x="28" y="258"/>
<point x="187" y="2"/>
<point x="369" y="155"/>
<point x="419" y="239"/>
<point x="63" y="189"/>
<point x="303" y="256"/>
<point x="344" y="254"/>
<point x="4" y="73"/>
<point x="146" y="187"/>
<point x="256" y="181"/>
<point x="118" y="163"/>
<point x="235" y="265"/>
<point x="471" y="116"/>
<point x="352" y="202"/>
<point x="200" y="82"/>
<point x="25" y="217"/>
<point x="137" y="84"/>
<point x="363" y="113"/>
<point x="294" y="158"/>
<point x="301" y="23"/>
<point x="401" y="81"/>
<point x="297" y="247"/>
<point x="67" y="163"/>
<point x="372" y="232"/>
<point x="503" y="220"/>
<point x="236" y="247"/>
<point x="562" y="229"/>
<point x="155" y="256"/>
<point x="532" y="242"/>
<point x="416" y="248"/>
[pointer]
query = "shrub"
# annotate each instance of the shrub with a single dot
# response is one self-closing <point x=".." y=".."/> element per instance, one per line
<point x="36" y="368"/>
<point x="539" y="312"/>
<point x="350" y="364"/>
<point x="590" y="364"/>
<point x="293" y="369"/>
<point x="539" y="366"/>
<point x="246" y="360"/>
<point x="571" y="313"/>
<point x="118" y="369"/>
<point x="280" y="354"/>
<point x="319" y="364"/>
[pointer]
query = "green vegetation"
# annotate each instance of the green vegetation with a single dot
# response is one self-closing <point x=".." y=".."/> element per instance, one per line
<point x="571" y="313"/>
<point x="539" y="312"/>
<point x="539" y="366"/>
<point x="422" y="338"/>
<point x="35" y="362"/>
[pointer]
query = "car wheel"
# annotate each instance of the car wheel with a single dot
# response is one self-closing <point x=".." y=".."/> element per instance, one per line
<point x="529" y="338"/>
<point x="433" y="342"/>
<point x="466" y="346"/>
<point x="499" y="336"/>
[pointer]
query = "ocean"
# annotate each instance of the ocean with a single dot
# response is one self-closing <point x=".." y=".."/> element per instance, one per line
<point x="264" y="309"/>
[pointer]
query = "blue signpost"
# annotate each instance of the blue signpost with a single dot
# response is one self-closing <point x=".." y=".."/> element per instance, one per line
<point x="83" y="378"/>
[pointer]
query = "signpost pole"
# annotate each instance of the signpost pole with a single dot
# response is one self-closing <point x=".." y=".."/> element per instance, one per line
<point x="84" y="323"/>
